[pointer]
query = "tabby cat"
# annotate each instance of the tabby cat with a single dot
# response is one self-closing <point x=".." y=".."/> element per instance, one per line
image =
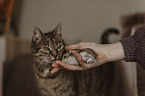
<point x="49" y="47"/>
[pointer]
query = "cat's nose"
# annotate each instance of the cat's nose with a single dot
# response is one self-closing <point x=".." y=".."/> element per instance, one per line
<point x="54" y="53"/>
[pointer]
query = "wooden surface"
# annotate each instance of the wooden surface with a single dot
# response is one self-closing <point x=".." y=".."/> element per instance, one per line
<point x="2" y="58"/>
<point x="5" y="17"/>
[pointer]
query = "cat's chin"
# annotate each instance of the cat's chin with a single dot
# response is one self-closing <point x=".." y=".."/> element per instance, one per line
<point x="49" y="75"/>
<point x="46" y="73"/>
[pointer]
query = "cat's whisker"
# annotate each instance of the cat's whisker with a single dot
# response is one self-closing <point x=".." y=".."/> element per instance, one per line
<point x="40" y="66"/>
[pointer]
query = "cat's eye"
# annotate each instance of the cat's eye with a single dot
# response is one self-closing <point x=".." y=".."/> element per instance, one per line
<point x="45" y="48"/>
<point x="59" y="41"/>
<point x="59" y="46"/>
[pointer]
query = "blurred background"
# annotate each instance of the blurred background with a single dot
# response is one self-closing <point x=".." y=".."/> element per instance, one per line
<point x="81" y="20"/>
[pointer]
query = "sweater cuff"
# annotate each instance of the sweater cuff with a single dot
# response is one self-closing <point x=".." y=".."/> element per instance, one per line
<point x="129" y="46"/>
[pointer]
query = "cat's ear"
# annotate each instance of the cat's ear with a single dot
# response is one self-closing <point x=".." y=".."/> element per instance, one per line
<point x="37" y="34"/>
<point x="57" y="30"/>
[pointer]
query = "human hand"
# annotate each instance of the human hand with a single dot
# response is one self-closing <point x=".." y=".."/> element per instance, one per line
<point x="104" y="53"/>
<point x="83" y="65"/>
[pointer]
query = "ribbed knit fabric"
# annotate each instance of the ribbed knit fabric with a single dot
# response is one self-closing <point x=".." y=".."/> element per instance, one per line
<point x="134" y="47"/>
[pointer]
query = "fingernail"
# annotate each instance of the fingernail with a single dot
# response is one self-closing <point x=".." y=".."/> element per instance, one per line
<point x="57" y="61"/>
<point x="67" y="48"/>
<point x="53" y="65"/>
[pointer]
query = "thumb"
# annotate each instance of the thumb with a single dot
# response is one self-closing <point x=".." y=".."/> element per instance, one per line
<point x="70" y="47"/>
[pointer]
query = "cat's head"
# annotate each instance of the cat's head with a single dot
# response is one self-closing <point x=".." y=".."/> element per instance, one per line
<point x="47" y="48"/>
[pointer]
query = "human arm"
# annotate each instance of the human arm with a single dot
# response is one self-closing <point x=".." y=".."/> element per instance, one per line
<point x="134" y="47"/>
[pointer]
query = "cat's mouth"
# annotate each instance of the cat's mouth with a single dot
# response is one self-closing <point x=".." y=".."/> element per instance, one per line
<point x="47" y="74"/>
<point x="43" y="69"/>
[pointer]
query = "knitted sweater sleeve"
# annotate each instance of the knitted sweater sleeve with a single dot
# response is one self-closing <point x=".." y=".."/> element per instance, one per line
<point x="134" y="47"/>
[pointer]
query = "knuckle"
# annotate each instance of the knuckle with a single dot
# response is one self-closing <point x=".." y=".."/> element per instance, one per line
<point x="80" y="45"/>
<point x="81" y="62"/>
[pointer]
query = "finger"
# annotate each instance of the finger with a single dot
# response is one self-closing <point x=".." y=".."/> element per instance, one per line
<point x="78" y="57"/>
<point x="54" y="70"/>
<point x="69" y="66"/>
<point x="70" y="47"/>
<point x="91" y="65"/>
<point x="84" y="64"/>
<point x="96" y="63"/>
<point x="55" y="65"/>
